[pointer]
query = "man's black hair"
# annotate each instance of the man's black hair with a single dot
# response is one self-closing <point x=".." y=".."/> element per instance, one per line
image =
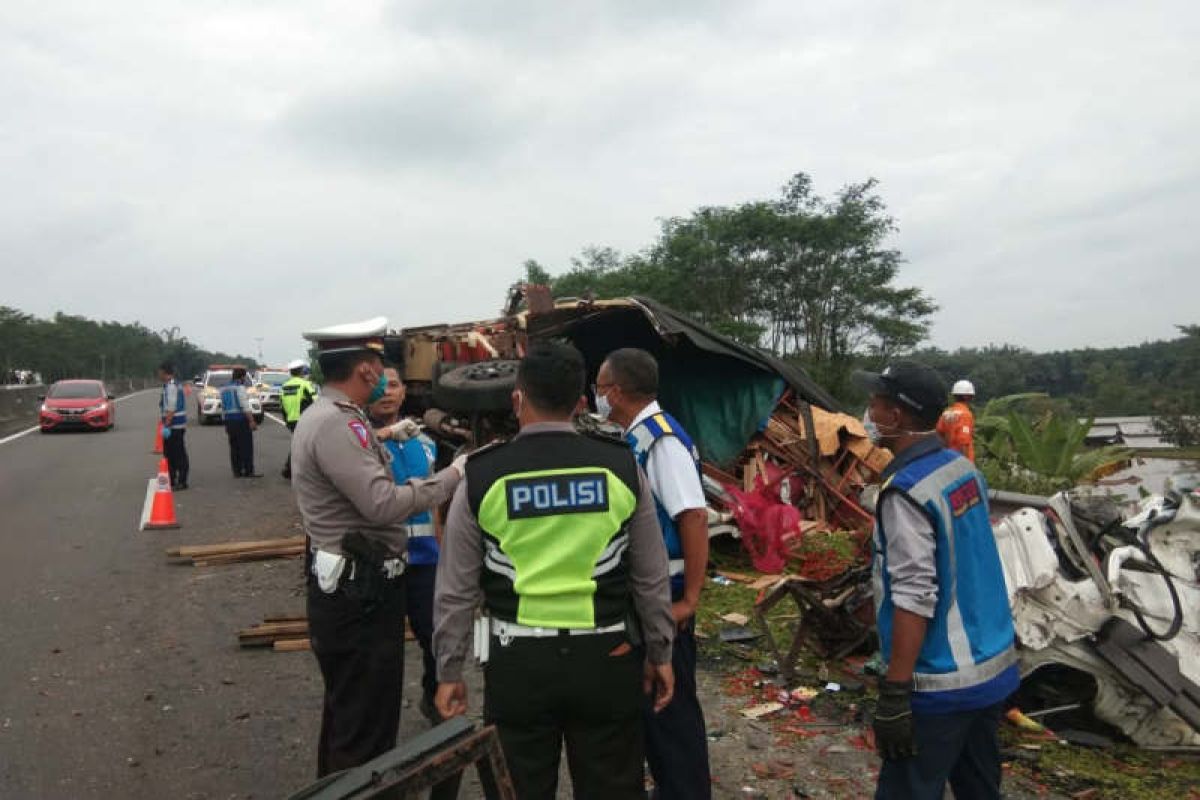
<point x="552" y="375"/>
<point x="167" y="367"/>
<point x="635" y="371"/>
<point x="238" y="373"/>
<point x="339" y="367"/>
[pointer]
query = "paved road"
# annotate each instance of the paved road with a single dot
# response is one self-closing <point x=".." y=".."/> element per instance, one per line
<point x="120" y="674"/>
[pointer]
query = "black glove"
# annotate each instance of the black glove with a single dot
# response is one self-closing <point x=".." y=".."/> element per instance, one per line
<point x="894" y="721"/>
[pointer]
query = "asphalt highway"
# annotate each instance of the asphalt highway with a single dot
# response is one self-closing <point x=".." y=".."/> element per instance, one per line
<point x="120" y="674"/>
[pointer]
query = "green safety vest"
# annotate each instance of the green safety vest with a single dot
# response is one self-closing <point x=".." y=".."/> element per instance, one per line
<point x="554" y="509"/>
<point x="295" y="395"/>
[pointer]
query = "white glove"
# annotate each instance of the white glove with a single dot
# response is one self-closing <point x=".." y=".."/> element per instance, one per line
<point x="460" y="465"/>
<point x="404" y="430"/>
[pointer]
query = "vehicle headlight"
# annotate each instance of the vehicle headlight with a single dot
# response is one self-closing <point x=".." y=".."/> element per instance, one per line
<point x="45" y="407"/>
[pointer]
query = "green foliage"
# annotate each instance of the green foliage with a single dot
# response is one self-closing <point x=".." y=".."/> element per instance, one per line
<point x="1029" y="443"/>
<point x="807" y="278"/>
<point x="1161" y="378"/>
<point x="69" y="346"/>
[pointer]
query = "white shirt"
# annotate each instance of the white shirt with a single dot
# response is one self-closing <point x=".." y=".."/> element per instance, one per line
<point x="671" y="470"/>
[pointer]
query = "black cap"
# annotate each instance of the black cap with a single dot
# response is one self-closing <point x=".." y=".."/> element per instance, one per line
<point x="912" y="385"/>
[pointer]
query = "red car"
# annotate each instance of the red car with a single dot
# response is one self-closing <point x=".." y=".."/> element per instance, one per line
<point x="81" y="404"/>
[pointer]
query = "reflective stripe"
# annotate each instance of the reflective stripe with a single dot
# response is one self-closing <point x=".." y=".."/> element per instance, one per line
<point x="963" y="677"/>
<point x="611" y="558"/>
<point x="513" y="630"/>
<point x="497" y="562"/>
<point x="418" y="529"/>
<point x="675" y="566"/>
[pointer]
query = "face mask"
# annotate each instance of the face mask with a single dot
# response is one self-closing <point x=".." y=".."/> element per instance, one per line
<point x="603" y="407"/>
<point x="872" y="430"/>
<point x="379" y="389"/>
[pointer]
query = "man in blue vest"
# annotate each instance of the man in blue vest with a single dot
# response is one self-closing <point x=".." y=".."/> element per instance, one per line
<point x="413" y="456"/>
<point x="945" y="627"/>
<point x="626" y="392"/>
<point x="172" y="407"/>
<point x="239" y="425"/>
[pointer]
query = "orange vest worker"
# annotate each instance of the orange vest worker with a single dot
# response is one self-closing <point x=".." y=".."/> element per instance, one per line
<point x="957" y="429"/>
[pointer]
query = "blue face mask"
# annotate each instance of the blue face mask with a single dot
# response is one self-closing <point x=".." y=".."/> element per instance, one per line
<point x="378" y="391"/>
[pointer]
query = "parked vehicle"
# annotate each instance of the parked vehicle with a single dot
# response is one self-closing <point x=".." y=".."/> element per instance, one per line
<point x="267" y="382"/>
<point x="208" y="395"/>
<point x="77" y="404"/>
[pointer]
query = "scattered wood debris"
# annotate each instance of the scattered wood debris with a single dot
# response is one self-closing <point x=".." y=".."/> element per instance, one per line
<point x="211" y="555"/>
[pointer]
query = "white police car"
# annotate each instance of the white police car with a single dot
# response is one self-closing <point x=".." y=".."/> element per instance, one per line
<point x="208" y="394"/>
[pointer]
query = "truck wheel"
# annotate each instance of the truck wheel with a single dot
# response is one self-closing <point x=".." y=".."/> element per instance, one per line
<point x="486" y="386"/>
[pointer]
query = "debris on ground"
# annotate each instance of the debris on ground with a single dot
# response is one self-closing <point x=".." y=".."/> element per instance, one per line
<point x="211" y="555"/>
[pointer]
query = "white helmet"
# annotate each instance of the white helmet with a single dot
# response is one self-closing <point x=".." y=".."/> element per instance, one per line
<point x="297" y="363"/>
<point x="963" y="388"/>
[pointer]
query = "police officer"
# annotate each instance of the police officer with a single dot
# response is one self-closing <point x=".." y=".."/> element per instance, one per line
<point x="626" y="392"/>
<point x="945" y="627"/>
<point x="557" y="532"/>
<point x="354" y="515"/>
<point x="172" y="406"/>
<point x="413" y="456"/>
<point x="239" y="425"/>
<point x="295" y="396"/>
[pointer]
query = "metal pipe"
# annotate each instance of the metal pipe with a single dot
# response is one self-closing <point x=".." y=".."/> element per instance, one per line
<point x="1018" y="499"/>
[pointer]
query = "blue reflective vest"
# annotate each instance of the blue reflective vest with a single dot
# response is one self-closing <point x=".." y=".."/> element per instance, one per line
<point x="414" y="459"/>
<point x="231" y="407"/>
<point x="642" y="438"/>
<point x="968" y="659"/>
<point x="179" y="413"/>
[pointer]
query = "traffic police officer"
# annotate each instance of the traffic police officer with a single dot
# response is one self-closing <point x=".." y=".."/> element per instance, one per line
<point x="354" y="515"/>
<point x="295" y="396"/>
<point x="557" y="532"/>
<point x="626" y="391"/>
<point x="239" y="424"/>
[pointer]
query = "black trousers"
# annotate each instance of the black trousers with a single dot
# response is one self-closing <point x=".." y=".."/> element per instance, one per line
<point x="542" y="692"/>
<point x="359" y="645"/>
<point x="241" y="446"/>
<point x="960" y="748"/>
<point x="676" y="740"/>
<point x="175" y="451"/>
<point x="287" y="465"/>
<point x="419" y="608"/>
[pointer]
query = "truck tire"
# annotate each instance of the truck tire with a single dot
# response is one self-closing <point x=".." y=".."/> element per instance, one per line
<point x="486" y="386"/>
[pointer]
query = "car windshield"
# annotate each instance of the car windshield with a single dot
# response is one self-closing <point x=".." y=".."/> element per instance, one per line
<point x="218" y="378"/>
<point x="273" y="378"/>
<point x="75" y="391"/>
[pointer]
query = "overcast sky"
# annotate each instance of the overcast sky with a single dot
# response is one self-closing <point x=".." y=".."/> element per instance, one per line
<point x="255" y="168"/>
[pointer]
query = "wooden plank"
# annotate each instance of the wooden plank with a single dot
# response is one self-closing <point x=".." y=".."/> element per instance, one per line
<point x="253" y="555"/>
<point x="224" y="548"/>
<point x="276" y="628"/>
<point x="292" y="645"/>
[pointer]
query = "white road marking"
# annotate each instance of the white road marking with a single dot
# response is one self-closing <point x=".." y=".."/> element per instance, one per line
<point x="28" y="431"/>
<point x="271" y="417"/>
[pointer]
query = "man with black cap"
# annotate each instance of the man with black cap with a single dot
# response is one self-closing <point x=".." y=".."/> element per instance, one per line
<point x="355" y="517"/>
<point x="945" y="628"/>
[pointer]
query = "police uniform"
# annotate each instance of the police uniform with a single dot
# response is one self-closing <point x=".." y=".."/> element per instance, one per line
<point x="676" y="738"/>
<point x="355" y="517"/>
<point x="557" y="533"/>
<point x="236" y="414"/>
<point x="172" y="407"/>
<point x="295" y="396"/>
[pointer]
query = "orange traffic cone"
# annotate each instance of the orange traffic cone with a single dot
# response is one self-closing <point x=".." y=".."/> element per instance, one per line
<point x="159" y="509"/>
<point x="158" y="440"/>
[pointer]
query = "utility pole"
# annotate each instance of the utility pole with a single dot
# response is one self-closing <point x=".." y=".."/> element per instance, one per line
<point x="259" y="339"/>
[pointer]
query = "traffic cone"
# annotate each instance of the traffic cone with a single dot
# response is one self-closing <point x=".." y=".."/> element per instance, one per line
<point x="159" y="509"/>
<point x="158" y="440"/>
